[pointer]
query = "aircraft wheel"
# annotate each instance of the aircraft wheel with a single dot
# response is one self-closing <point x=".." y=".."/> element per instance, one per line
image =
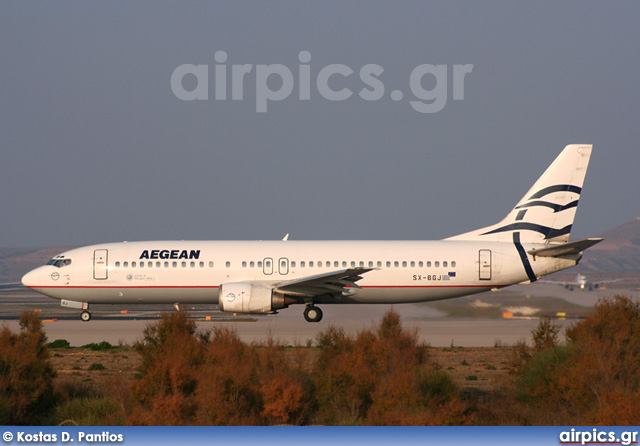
<point x="85" y="316"/>
<point x="313" y="314"/>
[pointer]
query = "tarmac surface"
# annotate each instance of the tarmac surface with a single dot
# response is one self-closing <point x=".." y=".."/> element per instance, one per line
<point x="294" y="330"/>
<point x="289" y="326"/>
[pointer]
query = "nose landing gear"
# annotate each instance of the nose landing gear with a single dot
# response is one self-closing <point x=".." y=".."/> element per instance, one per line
<point x="85" y="316"/>
<point x="312" y="313"/>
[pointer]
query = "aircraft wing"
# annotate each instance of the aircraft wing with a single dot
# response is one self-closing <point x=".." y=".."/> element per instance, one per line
<point x="557" y="282"/>
<point x="565" y="248"/>
<point x="332" y="282"/>
<point x="576" y="284"/>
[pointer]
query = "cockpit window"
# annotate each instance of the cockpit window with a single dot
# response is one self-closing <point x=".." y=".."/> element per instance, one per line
<point x="59" y="263"/>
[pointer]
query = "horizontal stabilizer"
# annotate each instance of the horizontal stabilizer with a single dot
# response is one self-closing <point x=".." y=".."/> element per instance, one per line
<point x="565" y="248"/>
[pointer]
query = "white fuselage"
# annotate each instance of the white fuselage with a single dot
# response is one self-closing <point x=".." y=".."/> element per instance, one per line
<point x="193" y="271"/>
<point x="262" y="277"/>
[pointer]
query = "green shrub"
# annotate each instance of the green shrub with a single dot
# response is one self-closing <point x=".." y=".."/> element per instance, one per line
<point x="96" y="366"/>
<point x="59" y="343"/>
<point x="87" y="412"/>
<point x="435" y="385"/>
<point x="596" y="377"/>
<point x="102" y="346"/>
<point x="539" y="378"/>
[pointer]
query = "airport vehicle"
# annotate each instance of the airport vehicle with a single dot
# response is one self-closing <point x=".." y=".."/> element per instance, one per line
<point x="266" y="276"/>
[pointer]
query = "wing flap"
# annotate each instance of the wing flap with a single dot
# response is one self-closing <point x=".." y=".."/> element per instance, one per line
<point x="332" y="282"/>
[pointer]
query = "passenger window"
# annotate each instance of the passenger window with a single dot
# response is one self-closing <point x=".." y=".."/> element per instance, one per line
<point x="126" y="264"/>
<point x="413" y="264"/>
<point x="244" y="264"/>
<point x="201" y="264"/>
<point x="252" y="264"/>
<point x="192" y="264"/>
<point x="302" y="264"/>
<point x="210" y="264"/>
<point x="283" y="264"/>
<point x="420" y="264"/>
<point x="445" y="264"/>
<point x="311" y="264"/>
<point x="429" y="264"/>
<point x="141" y="264"/>
<point x="166" y="264"/>
<point x="174" y="264"/>
<point x="293" y="264"/>
<point x="353" y="263"/>
<point x="228" y="264"/>
<point x="133" y="264"/>
<point x="396" y="264"/>
<point x="328" y="264"/>
<point x="437" y="264"/>
<point x="404" y="264"/>
<point x="184" y="264"/>
<point x="117" y="264"/>
<point x="370" y="264"/>
<point x="344" y="264"/>
<point x="361" y="263"/>
<point x="319" y="263"/>
<point x="260" y="264"/>
<point x="336" y="264"/>
<point x="158" y="264"/>
<point x="453" y="264"/>
<point x="379" y="264"/>
<point x="149" y="264"/>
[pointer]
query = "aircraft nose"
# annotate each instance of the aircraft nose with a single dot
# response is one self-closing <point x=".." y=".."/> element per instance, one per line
<point x="32" y="278"/>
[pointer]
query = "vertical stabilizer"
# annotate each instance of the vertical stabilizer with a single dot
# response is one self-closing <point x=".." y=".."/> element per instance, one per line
<point x="545" y="214"/>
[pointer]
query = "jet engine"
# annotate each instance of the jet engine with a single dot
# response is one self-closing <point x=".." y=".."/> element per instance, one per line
<point x="243" y="297"/>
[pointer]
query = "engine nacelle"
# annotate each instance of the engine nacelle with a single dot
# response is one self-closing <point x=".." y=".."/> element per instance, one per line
<point x="243" y="297"/>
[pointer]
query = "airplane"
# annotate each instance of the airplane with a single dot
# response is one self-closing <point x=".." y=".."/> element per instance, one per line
<point x="266" y="276"/>
<point x="580" y="281"/>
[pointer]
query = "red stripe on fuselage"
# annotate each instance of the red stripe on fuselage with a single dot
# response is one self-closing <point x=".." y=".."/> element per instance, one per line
<point x="216" y="286"/>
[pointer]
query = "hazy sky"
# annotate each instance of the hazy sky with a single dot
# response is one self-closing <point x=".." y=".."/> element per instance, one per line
<point x="96" y="146"/>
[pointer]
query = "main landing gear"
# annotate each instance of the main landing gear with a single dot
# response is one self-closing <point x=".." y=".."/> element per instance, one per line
<point x="312" y="313"/>
<point x="85" y="316"/>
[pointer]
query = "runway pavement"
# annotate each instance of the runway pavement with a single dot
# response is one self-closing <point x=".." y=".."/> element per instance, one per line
<point x="438" y="332"/>
<point x="289" y="326"/>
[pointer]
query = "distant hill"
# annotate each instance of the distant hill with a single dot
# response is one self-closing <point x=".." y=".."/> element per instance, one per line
<point x="619" y="252"/>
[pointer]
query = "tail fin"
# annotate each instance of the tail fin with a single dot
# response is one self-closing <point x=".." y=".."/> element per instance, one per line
<point x="545" y="214"/>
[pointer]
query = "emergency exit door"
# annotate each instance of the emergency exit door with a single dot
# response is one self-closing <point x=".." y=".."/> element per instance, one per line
<point x="484" y="264"/>
<point x="100" y="257"/>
